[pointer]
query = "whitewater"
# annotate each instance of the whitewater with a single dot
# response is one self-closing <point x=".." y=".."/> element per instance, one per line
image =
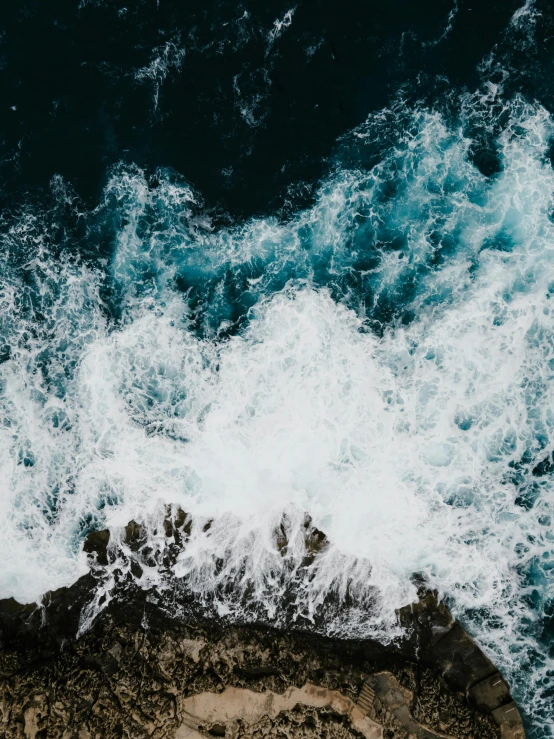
<point x="382" y="361"/>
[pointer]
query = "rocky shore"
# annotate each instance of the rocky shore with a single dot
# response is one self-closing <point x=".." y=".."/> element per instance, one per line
<point x="145" y="669"/>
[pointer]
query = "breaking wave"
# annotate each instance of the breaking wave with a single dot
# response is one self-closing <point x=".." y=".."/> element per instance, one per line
<point x="383" y="361"/>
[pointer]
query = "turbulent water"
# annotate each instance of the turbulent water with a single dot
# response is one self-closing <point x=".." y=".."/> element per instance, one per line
<point x="378" y="353"/>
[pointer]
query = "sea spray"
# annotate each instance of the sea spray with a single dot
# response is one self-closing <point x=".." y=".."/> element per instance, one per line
<point x="382" y="361"/>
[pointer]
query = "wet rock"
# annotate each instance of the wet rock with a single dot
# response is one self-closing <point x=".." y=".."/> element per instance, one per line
<point x="315" y="541"/>
<point x="135" y="536"/>
<point x="177" y="525"/>
<point x="97" y="543"/>
<point x="133" y="671"/>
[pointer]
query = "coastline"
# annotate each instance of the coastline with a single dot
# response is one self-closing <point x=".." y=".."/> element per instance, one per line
<point x="145" y="667"/>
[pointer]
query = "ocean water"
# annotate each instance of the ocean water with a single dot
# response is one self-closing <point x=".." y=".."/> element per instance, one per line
<point x="376" y="351"/>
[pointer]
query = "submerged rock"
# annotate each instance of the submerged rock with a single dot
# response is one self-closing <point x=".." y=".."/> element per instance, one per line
<point x="145" y="668"/>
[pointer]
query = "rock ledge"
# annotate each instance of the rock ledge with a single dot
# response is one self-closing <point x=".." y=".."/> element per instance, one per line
<point x="141" y="671"/>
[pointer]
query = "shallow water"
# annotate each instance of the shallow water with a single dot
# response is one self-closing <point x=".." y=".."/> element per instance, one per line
<point x="377" y="352"/>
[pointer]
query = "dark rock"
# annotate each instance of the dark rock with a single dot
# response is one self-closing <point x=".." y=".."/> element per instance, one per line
<point x="258" y="671"/>
<point x="135" y="536"/>
<point x="314" y="539"/>
<point x="128" y="674"/>
<point x="97" y="543"/>
<point x="509" y="720"/>
<point x="462" y="662"/>
<point x="491" y="692"/>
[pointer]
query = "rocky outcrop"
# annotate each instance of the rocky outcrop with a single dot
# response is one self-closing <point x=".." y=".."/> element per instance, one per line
<point x="144" y="668"/>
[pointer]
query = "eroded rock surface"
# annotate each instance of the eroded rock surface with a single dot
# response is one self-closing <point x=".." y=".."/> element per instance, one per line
<point x="141" y="670"/>
<point x="136" y="674"/>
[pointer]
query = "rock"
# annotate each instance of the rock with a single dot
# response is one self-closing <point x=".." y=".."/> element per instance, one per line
<point x="141" y="667"/>
<point x="135" y="536"/>
<point x="491" y="692"/>
<point x="97" y="543"/>
<point x="35" y="717"/>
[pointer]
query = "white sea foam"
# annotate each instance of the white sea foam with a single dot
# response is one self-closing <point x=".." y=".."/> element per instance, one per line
<point x="279" y="26"/>
<point x="408" y="447"/>
<point x="448" y="28"/>
<point x="164" y="58"/>
<point x="526" y="15"/>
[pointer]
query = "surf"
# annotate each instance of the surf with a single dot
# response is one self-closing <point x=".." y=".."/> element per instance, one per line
<point x="382" y="360"/>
